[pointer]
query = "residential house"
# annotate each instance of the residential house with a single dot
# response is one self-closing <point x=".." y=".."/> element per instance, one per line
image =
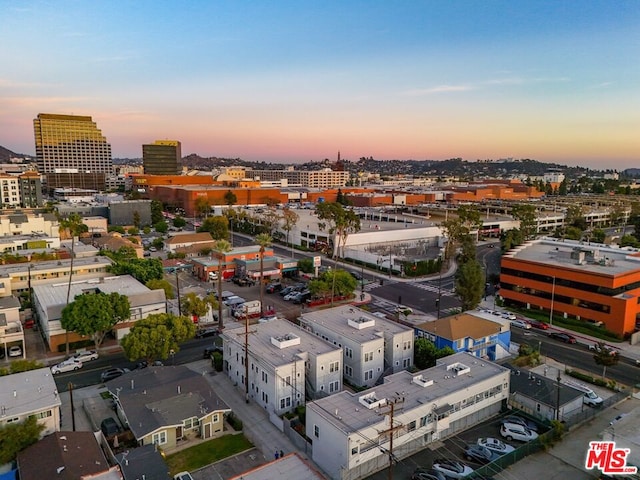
<point x="467" y="332"/>
<point x="285" y="363"/>
<point x="113" y="241"/>
<point x="145" y="462"/>
<point x="538" y="395"/>
<point x="290" y="467"/>
<point x="350" y="431"/>
<point x="187" y="240"/>
<point x="30" y="394"/>
<point x="66" y="456"/>
<point x="49" y="300"/>
<point x="167" y="405"/>
<point x="371" y="345"/>
<point x="11" y="331"/>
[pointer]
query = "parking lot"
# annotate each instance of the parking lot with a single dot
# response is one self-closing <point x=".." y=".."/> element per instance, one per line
<point x="451" y="448"/>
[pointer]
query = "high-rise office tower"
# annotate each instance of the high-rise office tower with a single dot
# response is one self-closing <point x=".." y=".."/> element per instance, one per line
<point x="71" y="151"/>
<point x="162" y="157"/>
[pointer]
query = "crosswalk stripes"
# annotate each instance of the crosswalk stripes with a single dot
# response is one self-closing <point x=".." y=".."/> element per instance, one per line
<point x="422" y="286"/>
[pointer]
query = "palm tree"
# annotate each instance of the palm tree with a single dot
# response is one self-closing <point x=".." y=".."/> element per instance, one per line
<point x="220" y="247"/>
<point x="73" y="223"/>
<point x="264" y="240"/>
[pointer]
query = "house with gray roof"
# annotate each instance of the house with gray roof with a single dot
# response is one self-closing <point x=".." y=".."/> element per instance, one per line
<point x="167" y="405"/>
<point x="143" y="462"/>
<point x="49" y="300"/>
<point x="31" y="393"/>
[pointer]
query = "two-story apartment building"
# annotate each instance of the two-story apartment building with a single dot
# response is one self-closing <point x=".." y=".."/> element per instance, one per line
<point x="371" y="345"/>
<point x="351" y="431"/>
<point x="49" y="300"/>
<point x="30" y="394"/>
<point x="284" y="364"/>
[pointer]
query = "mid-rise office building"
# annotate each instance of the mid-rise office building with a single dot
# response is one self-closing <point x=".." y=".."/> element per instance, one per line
<point x="30" y="189"/>
<point x="71" y="151"/>
<point x="9" y="191"/>
<point x="162" y="157"/>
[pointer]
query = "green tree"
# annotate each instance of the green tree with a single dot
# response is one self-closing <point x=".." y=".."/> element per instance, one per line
<point x="510" y="239"/>
<point x="142" y="269"/>
<point x="217" y="226"/>
<point x="18" y="366"/>
<point x="526" y="214"/>
<point x="74" y="226"/>
<point x="305" y="265"/>
<point x="342" y="222"/>
<point x="629" y="241"/>
<point x="15" y="437"/>
<point x="156" y="212"/>
<point x="202" y="207"/>
<point x="470" y="284"/>
<point x="116" y="228"/>
<point x="136" y="219"/>
<point x="179" y="222"/>
<point x="341" y="284"/>
<point x="264" y="240"/>
<point x="161" y="227"/>
<point x="605" y="357"/>
<point x="425" y="353"/>
<point x="574" y="217"/>
<point x="192" y="305"/>
<point x="95" y="314"/>
<point x="467" y="250"/>
<point x="562" y="189"/>
<point x="598" y="235"/>
<point x="161" y="284"/>
<point x="320" y="287"/>
<point x="289" y="220"/>
<point x="572" y="233"/>
<point x="157" y="337"/>
<point x="455" y="228"/>
<point x="221" y="247"/>
<point x="230" y="198"/>
<point x="133" y="231"/>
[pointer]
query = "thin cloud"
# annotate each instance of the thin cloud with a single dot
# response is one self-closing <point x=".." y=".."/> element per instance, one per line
<point x="7" y="83"/>
<point x="598" y="86"/>
<point x="438" y="89"/>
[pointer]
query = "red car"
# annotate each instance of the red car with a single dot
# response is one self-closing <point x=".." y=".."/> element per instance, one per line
<point x="539" y="325"/>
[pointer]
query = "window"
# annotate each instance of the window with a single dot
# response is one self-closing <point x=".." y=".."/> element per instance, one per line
<point x="334" y="387"/>
<point x="334" y="366"/>
<point x="411" y="427"/>
<point x="354" y="451"/>
<point x="348" y="352"/>
<point x="406" y="363"/>
<point x="368" y="356"/>
<point x="406" y="345"/>
<point x="191" y="423"/>
<point x="348" y="371"/>
<point x="316" y="431"/>
<point x="368" y="375"/>
<point x="159" y="438"/>
<point x="216" y="418"/>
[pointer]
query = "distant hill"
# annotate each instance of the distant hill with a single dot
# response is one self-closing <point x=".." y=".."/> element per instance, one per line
<point x="6" y="154"/>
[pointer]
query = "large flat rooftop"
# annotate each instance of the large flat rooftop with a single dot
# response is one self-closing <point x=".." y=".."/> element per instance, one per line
<point x="582" y="256"/>
<point x="353" y="323"/>
<point x="285" y="332"/>
<point x="346" y="410"/>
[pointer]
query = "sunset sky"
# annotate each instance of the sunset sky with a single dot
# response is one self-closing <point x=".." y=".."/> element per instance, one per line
<point x="293" y="81"/>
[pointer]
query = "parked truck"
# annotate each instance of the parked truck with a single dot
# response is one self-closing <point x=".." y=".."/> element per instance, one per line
<point x="251" y="309"/>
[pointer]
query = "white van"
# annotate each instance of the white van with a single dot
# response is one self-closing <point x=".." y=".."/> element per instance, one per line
<point x="590" y="397"/>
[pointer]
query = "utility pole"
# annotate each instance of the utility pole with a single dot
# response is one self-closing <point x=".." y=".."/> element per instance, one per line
<point x="392" y="405"/>
<point x="558" y="397"/>
<point x="246" y="355"/>
<point x="175" y="270"/>
<point x="73" y="410"/>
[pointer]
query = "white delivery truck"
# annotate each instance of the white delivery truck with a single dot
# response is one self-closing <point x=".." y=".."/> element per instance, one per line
<point x="251" y="309"/>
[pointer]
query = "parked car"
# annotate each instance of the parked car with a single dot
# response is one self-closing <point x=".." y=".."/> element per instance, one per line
<point x="112" y="373"/>
<point x="207" y="332"/>
<point x="422" y="473"/>
<point x="563" y="337"/>
<point x="495" y="445"/>
<point x="479" y="454"/>
<point x="291" y="295"/>
<point x="538" y="325"/>
<point x="520" y="324"/>
<point x="452" y="468"/>
<point x="274" y="287"/>
<point x="520" y="421"/>
<point x="617" y="419"/>
<point x="244" y="281"/>
<point x="302" y="297"/>
<point x="31" y="323"/>
<point x="15" y="351"/>
<point x="286" y="290"/>
<point x="86" y="356"/>
<point x="509" y="316"/>
<point x="145" y="364"/>
<point x="209" y="351"/>
<point x="182" y="476"/>
<point x="110" y="427"/>
<point x="357" y="276"/>
<point x="403" y="309"/>
<point x="66" y="366"/>
<point x="597" y="348"/>
<point x="514" y="431"/>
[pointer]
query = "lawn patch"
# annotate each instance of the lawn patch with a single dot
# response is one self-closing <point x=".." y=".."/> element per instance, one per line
<point x="207" y="452"/>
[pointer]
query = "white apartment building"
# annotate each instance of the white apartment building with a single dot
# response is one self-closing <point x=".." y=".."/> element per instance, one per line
<point x="350" y="431"/>
<point x="9" y="191"/>
<point x="27" y="224"/>
<point x="285" y="364"/>
<point x="372" y="346"/>
<point x="324" y="178"/>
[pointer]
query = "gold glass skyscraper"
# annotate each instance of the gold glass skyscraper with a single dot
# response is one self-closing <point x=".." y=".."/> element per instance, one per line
<point x="162" y="157"/>
<point x="71" y="151"/>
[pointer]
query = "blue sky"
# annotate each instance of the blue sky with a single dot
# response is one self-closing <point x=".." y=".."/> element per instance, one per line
<point x="297" y="81"/>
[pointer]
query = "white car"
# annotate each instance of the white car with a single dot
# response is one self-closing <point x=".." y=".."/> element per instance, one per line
<point x="452" y="468"/>
<point x="15" y="351"/>
<point x="403" y="309"/>
<point x="66" y="366"/>
<point x="182" y="476"/>
<point x="86" y="356"/>
<point x="514" y="431"/>
<point x="495" y="445"/>
<point x="509" y="316"/>
<point x="521" y="324"/>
